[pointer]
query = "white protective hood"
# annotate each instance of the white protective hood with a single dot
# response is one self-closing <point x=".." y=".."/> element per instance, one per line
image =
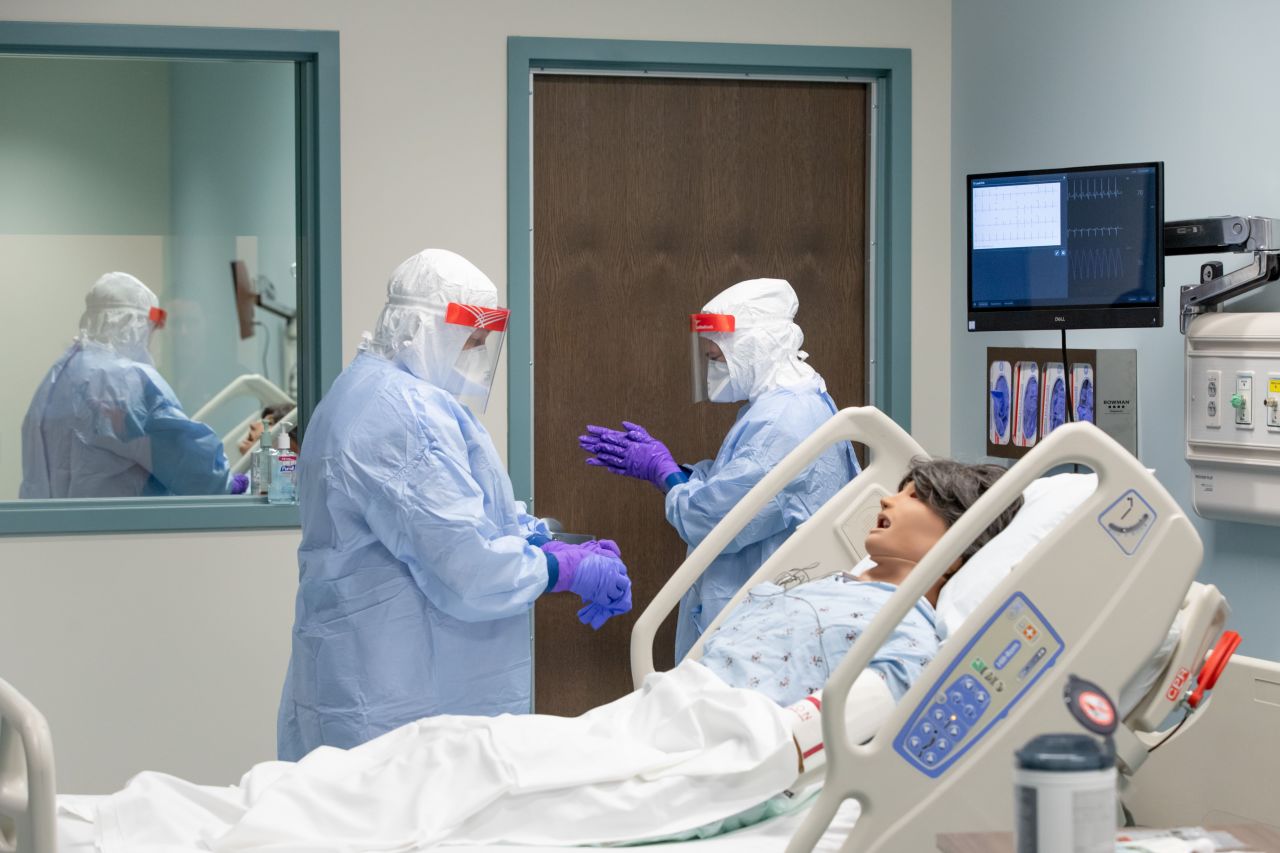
<point x="763" y="352"/>
<point x="412" y="330"/>
<point x="117" y="314"/>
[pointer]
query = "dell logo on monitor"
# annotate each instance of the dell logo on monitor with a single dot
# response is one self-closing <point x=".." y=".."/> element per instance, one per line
<point x="1059" y="319"/>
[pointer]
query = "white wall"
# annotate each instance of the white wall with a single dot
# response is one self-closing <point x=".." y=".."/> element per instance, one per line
<point x="1043" y="84"/>
<point x="423" y="164"/>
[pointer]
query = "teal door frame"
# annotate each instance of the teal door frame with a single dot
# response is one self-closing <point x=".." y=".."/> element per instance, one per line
<point x="315" y="56"/>
<point x="890" y="291"/>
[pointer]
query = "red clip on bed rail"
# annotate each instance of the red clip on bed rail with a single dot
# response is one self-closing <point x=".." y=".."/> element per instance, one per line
<point x="1214" y="664"/>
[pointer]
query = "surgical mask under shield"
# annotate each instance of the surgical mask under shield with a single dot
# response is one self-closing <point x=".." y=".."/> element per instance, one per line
<point x="710" y="370"/>
<point x="471" y="378"/>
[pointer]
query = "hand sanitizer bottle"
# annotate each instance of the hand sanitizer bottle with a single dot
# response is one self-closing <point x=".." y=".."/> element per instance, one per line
<point x="260" y="464"/>
<point x="284" y="470"/>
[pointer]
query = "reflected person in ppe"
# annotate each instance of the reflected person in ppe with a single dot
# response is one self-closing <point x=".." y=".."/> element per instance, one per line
<point x="418" y="569"/>
<point x="105" y="423"/>
<point x="746" y="348"/>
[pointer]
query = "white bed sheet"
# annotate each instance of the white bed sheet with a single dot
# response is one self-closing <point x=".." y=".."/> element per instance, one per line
<point x="75" y="834"/>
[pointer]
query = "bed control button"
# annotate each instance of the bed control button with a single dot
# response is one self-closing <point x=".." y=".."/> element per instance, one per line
<point x="969" y="712"/>
<point x="930" y="758"/>
<point x="955" y="731"/>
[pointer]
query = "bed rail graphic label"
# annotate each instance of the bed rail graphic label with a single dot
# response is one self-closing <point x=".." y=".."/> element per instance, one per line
<point x="1128" y="521"/>
<point x="980" y="686"/>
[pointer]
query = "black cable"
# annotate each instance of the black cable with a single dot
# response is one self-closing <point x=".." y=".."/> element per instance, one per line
<point x="1067" y="378"/>
<point x="1172" y="732"/>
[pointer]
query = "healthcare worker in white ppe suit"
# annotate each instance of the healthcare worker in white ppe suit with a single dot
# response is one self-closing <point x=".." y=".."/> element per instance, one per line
<point x="105" y="423"/>
<point x="417" y="568"/>
<point x="746" y="348"/>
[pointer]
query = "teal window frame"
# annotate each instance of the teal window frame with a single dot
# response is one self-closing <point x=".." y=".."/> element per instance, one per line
<point x="315" y="54"/>
<point x="890" y="212"/>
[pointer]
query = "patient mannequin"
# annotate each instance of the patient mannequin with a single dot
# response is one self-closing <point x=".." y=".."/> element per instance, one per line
<point x="785" y="643"/>
<point x="687" y="754"/>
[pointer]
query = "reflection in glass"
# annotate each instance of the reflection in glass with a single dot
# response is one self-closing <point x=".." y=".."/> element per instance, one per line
<point x="104" y="423"/>
<point x="171" y="171"/>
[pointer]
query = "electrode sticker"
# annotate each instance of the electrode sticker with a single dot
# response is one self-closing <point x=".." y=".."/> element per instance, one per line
<point x="1128" y="521"/>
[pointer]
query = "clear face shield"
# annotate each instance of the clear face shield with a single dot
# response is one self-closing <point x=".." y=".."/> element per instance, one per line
<point x="471" y="378"/>
<point x="710" y="371"/>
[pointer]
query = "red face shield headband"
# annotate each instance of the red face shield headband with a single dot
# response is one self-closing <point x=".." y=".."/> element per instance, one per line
<point x="477" y="317"/>
<point x="711" y="322"/>
<point x="157" y="316"/>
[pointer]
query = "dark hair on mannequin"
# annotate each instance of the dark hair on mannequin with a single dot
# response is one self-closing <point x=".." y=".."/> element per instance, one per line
<point x="949" y="488"/>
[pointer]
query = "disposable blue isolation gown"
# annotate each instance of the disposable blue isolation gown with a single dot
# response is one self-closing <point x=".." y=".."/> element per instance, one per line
<point x="105" y="425"/>
<point x="765" y="431"/>
<point x="415" y="578"/>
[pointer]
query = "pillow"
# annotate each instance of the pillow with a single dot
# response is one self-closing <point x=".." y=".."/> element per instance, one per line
<point x="1046" y="502"/>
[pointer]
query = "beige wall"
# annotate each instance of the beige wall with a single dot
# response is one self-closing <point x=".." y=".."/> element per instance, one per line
<point x="423" y="164"/>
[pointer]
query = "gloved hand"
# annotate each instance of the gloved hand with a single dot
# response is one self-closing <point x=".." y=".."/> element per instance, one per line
<point x="596" y="615"/>
<point x="633" y="453"/>
<point x="595" y="574"/>
<point x="239" y="484"/>
<point x="605" y="547"/>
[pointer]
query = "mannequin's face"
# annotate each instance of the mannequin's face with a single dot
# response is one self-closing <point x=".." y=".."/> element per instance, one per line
<point x="905" y="530"/>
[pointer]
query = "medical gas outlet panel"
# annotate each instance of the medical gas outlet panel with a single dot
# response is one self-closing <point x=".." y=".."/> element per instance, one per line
<point x="980" y="687"/>
<point x="1233" y="416"/>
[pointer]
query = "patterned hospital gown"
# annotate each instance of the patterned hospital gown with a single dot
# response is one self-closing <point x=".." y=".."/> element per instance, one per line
<point x="785" y="643"/>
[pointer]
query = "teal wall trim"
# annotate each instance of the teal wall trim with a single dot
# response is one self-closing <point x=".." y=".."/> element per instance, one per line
<point x="315" y="54"/>
<point x="891" y="214"/>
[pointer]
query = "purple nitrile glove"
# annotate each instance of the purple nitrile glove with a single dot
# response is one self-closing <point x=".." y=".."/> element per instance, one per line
<point x="605" y="547"/>
<point x="596" y="614"/>
<point x="239" y="484"/>
<point x="634" y="453"/>
<point x="592" y="576"/>
<point x="596" y="436"/>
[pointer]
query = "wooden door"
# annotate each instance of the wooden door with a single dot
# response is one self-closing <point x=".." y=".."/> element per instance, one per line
<point x="651" y="196"/>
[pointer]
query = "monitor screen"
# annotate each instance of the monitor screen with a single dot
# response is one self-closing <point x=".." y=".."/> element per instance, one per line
<point x="1078" y="248"/>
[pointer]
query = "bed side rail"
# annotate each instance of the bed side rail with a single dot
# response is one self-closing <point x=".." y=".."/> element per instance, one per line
<point x="831" y="538"/>
<point x="1117" y="469"/>
<point x="28" y="804"/>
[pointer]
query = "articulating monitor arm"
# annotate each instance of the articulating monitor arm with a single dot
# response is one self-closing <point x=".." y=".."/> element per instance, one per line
<point x="1216" y="234"/>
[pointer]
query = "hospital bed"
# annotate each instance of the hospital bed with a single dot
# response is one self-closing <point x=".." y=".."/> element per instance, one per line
<point x="1107" y="605"/>
<point x="1094" y="599"/>
<point x="267" y="393"/>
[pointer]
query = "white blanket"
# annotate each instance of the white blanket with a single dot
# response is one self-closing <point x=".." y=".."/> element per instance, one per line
<point x="682" y="751"/>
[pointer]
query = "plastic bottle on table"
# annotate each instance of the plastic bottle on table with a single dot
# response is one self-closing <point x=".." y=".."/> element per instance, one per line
<point x="284" y="471"/>
<point x="260" y="464"/>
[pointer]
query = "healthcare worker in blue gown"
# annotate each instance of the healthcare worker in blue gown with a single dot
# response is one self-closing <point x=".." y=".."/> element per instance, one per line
<point x="418" y="569"/>
<point x="746" y="349"/>
<point x="105" y="423"/>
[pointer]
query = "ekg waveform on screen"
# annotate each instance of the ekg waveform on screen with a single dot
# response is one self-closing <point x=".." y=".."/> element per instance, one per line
<point x="1017" y="215"/>
<point x="1096" y="264"/>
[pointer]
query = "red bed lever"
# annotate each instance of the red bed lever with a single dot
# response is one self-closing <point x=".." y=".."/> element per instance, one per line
<point x="1214" y="664"/>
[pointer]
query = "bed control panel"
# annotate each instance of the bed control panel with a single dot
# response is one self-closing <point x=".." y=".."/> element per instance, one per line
<point x="979" y="687"/>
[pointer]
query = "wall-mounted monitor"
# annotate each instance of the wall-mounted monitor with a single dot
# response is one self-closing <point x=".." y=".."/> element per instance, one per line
<point x="1078" y="248"/>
